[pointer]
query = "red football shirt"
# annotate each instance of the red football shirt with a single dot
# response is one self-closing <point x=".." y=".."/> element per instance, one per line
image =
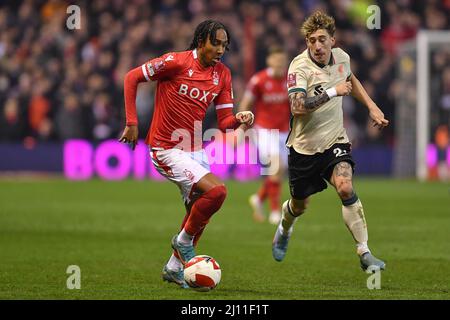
<point x="184" y="91"/>
<point x="270" y="98"/>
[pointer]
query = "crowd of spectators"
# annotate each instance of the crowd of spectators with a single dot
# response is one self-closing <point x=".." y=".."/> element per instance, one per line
<point x="57" y="83"/>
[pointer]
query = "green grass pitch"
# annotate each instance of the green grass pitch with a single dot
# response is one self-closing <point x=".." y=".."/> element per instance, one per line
<point x="119" y="234"/>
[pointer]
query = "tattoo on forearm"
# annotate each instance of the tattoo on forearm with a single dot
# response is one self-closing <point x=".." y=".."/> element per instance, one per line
<point x="296" y="101"/>
<point x="301" y="104"/>
<point x="316" y="101"/>
<point x="343" y="169"/>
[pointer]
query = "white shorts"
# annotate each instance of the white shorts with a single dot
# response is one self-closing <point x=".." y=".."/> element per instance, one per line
<point x="185" y="169"/>
<point x="271" y="145"/>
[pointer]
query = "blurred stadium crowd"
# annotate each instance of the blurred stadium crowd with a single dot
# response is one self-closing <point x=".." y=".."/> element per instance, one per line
<point x="57" y="83"/>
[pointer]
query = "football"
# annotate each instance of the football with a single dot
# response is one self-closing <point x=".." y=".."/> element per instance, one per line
<point x="202" y="273"/>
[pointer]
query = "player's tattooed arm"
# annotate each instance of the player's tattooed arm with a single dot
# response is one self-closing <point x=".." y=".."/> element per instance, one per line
<point x="300" y="104"/>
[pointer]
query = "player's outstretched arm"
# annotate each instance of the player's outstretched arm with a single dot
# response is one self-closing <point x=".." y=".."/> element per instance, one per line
<point x="362" y="96"/>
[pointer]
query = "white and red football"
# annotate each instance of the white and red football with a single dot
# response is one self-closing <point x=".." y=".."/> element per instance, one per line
<point x="202" y="273"/>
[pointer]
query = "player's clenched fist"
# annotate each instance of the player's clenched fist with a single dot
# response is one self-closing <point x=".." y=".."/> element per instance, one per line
<point x="246" y="117"/>
<point x="344" y="88"/>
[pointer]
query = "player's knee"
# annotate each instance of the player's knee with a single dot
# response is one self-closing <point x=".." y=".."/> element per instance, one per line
<point x="344" y="189"/>
<point x="218" y="193"/>
<point x="215" y="197"/>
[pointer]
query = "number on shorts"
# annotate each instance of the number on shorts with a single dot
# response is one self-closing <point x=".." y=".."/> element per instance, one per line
<point x="339" y="152"/>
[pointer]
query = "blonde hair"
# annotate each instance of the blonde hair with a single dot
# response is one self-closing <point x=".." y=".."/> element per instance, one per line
<point x="318" y="20"/>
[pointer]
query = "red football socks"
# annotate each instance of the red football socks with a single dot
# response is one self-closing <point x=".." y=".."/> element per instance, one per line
<point x="203" y="208"/>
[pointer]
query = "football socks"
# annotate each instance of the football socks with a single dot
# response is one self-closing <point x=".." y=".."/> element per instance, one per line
<point x="185" y="239"/>
<point x="174" y="264"/>
<point x="203" y="208"/>
<point x="356" y="223"/>
<point x="287" y="218"/>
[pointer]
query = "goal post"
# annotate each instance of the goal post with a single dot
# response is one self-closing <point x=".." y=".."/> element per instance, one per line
<point x="414" y="125"/>
<point x="426" y="40"/>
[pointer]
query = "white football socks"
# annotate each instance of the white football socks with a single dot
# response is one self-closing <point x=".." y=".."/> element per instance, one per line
<point x="356" y="223"/>
<point x="185" y="238"/>
<point x="174" y="264"/>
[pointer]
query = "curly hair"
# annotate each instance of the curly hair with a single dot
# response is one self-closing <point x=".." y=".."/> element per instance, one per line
<point x="318" y="20"/>
<point x="207" y="29"/>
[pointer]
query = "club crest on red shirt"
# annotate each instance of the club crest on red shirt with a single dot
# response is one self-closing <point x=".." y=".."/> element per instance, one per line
<point x="215" y="78"/>
<point x="159" y="65"/>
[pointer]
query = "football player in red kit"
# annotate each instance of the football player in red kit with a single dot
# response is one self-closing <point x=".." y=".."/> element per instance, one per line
<point x="187" y="83"/>
<point x="266" y="94"/>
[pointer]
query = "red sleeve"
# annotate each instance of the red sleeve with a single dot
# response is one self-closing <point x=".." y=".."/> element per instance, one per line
<point x="225" y="96"/>
<point x="226" y="119"/>
<point x="155" y="69"/>
<point x="224" y="103"/>
<point x="162" y="67"/>
<point x="131" y="81"/>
